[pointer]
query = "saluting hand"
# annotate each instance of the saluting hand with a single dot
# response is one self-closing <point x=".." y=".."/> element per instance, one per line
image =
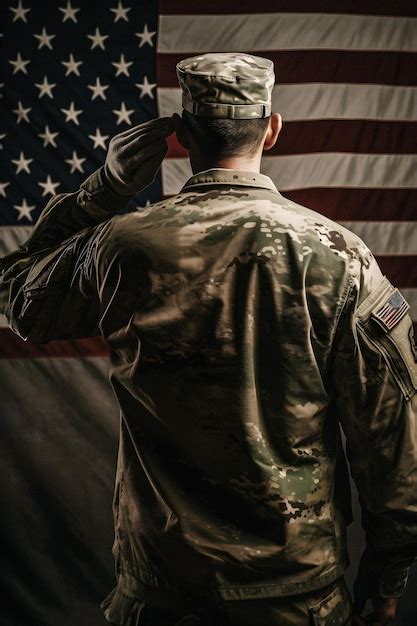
<point x="135" y="156"/>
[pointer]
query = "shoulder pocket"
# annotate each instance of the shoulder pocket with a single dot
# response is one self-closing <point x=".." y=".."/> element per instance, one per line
<point x="383" y="318"/>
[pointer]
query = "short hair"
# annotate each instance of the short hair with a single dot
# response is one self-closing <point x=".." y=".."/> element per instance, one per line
<point x="219" y="137"/>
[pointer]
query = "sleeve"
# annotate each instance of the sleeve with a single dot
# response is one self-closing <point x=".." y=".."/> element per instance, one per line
<point x="374" y="374"/>
<point x="49" y="285"/>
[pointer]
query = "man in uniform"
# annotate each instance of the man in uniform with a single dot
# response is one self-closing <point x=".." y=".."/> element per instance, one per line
<point x="243" y="329"/>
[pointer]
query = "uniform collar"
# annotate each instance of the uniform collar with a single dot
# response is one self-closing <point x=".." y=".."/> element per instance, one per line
<point x="223" y="176"/>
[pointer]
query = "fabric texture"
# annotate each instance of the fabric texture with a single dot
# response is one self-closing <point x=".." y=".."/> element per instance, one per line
<point x="330" y="606"/>
<point x="240" y="328"/>
<point x="226" y="85"/>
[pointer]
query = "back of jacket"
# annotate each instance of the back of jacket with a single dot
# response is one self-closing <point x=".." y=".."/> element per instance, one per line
<point x="242" y="332"/>
<point x="225" y="374"/>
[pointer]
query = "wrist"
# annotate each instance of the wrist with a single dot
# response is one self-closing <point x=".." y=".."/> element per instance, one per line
<point x="114" y="186"/>
<point x="96" y="189"/>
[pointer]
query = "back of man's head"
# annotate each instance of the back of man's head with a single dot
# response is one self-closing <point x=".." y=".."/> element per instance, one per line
<point x="219" y="138"/>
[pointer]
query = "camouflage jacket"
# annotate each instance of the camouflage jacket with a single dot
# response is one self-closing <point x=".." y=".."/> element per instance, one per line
<point x="243" y="328"/>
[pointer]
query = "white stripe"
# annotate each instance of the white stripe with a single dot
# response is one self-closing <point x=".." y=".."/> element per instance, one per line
<point x="12" y="236"/>
<point x="192" y="34"/>
<point x="387" y="238"/>
<point x="3" y="321"/>
<point x="332" y="169"/>
<point x="314" y="101"/>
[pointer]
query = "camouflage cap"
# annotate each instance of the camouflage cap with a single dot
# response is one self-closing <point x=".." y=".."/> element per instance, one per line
<point x="226" y="84"/>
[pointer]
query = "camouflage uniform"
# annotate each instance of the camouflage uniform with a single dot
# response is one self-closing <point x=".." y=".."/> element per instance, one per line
<point x="243" y="328"/>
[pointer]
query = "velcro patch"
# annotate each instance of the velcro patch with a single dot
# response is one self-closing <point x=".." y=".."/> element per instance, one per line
<point x="390" y="312"/>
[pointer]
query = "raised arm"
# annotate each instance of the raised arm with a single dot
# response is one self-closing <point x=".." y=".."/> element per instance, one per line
<point x="50" y="284"/>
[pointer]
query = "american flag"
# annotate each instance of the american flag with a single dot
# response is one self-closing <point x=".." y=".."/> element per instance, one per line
<point x="76" y="72"/>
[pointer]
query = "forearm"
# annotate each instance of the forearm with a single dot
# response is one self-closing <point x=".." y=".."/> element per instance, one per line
<point x="69" y="213"/>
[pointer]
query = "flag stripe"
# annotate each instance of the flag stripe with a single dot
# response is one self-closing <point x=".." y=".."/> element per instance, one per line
<point x="356" y="136"/>
<point x="318" y="170"/>
<point x="318" y="101"/>
<point x="358" y="204"/>
<point x="320" y="66"/>
<point x="401" y="271"/>
<point x="365" y="7"/>
<point x="192" y="34"/>
<point x="388" y="238"/>
<point x="13" y="347"/>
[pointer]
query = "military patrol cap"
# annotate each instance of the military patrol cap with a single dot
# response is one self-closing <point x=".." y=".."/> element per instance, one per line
<point x="226" y="85"/>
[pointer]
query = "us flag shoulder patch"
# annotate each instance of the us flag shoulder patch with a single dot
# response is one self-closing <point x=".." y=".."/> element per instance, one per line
<point x="390" y="312"/>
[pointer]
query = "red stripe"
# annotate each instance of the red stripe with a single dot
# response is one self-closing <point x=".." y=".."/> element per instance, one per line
<point x="13" y="347"/>
<point x="319" y="66"/>
<point x="353" y="136"/>
<point x="351" y="204"/>
<point x="366" y="7"/>
<point x="344" y="204"/>
<point x="401" y="271"/>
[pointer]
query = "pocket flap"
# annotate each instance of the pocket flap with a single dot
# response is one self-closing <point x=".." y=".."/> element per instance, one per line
<point x="333" y="608"/>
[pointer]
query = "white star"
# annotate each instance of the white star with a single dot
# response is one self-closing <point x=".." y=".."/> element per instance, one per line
<point x="2" y="189"/>
<point x="97" y="40"/>
<point x="98" y="90"/>
<point x="44" y="39"/>
<point x="45" y="88"/>
<point x="71" y="114"/>
<point x="19" y="12"/>
<point x="99" y="139"/>
<point x="19" y="64"/>
<point x="76" y="163"/>
<point x="123" y="115"/>
<point x="120" y="12"/>
<point x="48" y="186"/>
<point x="22" y="113"/>
<point x="22" y="164"/>
<point x="69" y="12"/>
<point x="146" y="36"/>
<point x="146" y="88"/>
<point x="24" y="210"/>
<point x="48" y="137"/>
<point x="122" y="66"/>
<point x="72" y="65"/>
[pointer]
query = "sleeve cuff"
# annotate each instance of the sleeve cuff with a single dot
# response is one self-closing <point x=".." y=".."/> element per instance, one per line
<point x="95" y="190"/>
<point x="393" y="579"/>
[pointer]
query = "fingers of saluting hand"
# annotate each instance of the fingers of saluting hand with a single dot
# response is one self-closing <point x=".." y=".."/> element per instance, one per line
<point x="163" y="125"/>
<point x="135" y="144"/>
<point x="137" y="158"/>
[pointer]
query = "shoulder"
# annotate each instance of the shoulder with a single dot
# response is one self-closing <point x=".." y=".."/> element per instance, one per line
<point x="319" y="228"/>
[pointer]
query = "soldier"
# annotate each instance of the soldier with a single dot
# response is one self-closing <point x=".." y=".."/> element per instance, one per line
<point x="243" y="329"/>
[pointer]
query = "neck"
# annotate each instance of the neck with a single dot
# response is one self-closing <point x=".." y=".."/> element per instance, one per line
<point x="199" y="163"/>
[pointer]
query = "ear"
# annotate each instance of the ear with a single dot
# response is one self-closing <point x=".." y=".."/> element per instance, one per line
<point x="181" y="131"/>
<point x="274" y="128"/>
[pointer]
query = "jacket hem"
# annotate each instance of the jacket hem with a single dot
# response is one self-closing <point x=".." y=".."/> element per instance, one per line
<point x="133" y="591"/>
